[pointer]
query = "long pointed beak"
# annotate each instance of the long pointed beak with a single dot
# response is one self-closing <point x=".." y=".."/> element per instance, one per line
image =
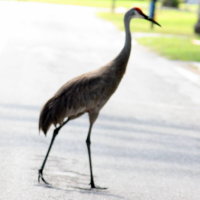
<point x="152" y="20"/>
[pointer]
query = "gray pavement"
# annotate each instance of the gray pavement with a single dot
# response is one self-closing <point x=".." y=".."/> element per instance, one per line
<point x="146" y="142"/>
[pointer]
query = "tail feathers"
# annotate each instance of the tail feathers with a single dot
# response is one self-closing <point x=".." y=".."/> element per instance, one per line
<point x="45" y="119"/>
<point x="49" y="115"/>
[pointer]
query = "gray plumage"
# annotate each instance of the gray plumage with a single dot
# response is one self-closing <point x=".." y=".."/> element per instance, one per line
<point x="87" y="93"/>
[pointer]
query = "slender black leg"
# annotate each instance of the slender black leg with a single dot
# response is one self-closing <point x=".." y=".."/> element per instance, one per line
<point x="92" y="116"/>
<point x="40" y="172"/>
<point x="88" y="142"/>
<point x="55" y="133"/>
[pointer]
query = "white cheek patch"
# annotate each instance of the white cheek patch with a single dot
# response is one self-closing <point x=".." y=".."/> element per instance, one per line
<point x="137" y="15"/>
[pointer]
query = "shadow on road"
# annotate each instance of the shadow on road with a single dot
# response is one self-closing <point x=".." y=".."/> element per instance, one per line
<point x="82" y="190"/>
<point x="147" y="145"/>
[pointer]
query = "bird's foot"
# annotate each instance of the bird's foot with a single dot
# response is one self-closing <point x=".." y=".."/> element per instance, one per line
<point x="93" y="186"/>
<point x="99" y="188"/>
<point x="40" y="176"/>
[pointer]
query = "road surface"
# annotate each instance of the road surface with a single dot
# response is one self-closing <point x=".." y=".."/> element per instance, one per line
<point x="146" y="142"/>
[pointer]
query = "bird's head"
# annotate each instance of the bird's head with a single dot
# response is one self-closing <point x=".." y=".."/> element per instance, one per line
<point x="137" y="13"/>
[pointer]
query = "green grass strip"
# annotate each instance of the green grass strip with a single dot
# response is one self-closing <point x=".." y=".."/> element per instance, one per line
<point x="175" y="48"/>
<point x="93" y="3"/>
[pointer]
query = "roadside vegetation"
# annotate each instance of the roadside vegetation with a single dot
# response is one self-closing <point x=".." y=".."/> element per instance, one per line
<point x="93" y="3"/>
<point x="175" y="39"/>
<point x="175" y="48"/>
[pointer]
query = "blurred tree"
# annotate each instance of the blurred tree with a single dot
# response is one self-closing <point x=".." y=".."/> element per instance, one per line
<point x="171" y="3"/>
<point x="197" y="25"/>
<point x="113" y="5"/>
<point x="152" y="8"/>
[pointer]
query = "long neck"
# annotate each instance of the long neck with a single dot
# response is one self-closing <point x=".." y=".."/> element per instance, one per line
<point x="122" y="59"/>
<point x="125" y="53"/>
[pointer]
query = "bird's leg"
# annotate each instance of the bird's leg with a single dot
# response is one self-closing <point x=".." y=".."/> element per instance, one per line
<point x="40" y="171"/>
<point x="88" y="142"/>
<point x="55" y="133"/>
<point x="92" y="116"/>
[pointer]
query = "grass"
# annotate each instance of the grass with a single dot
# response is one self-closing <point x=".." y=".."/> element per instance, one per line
<point x="94" y="3"/>
<point x="174" y="22"/>
<point x="176" y="48"/>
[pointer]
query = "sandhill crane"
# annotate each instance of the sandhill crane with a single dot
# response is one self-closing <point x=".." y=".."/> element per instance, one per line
<point x="87" y="93"/>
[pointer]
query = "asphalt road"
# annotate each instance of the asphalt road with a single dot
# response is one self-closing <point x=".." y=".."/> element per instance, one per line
<point x="146" y="142"/>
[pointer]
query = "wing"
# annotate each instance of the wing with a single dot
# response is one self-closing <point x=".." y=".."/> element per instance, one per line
<point x="74" y="98"/>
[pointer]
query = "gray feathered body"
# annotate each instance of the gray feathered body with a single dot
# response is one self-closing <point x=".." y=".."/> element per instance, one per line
<point x="88" y="92"/>
<point x="84" y="93"/>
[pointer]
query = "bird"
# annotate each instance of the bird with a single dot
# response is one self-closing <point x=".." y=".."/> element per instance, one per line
<point x="87" y="93"/>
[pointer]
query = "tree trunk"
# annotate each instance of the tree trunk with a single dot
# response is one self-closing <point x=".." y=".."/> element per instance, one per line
<point x="197" y="25"/>
<point x="113" y="6"/>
